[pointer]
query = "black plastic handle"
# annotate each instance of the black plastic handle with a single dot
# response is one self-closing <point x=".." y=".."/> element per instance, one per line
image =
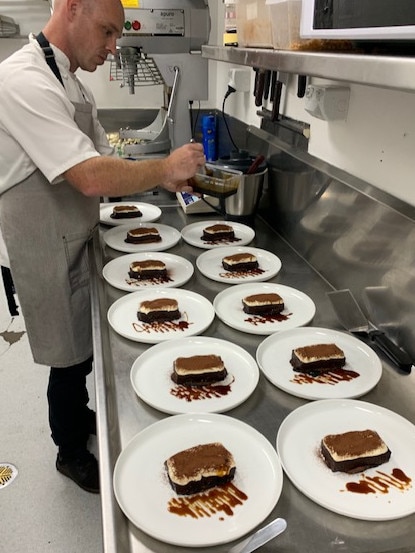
<point x="394" y="352"/>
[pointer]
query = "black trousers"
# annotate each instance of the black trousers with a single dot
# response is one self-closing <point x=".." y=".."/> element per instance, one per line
<point x="69" y="415"/>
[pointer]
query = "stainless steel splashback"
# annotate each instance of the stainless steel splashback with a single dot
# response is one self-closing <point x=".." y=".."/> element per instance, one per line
<point x="353" y="234"/>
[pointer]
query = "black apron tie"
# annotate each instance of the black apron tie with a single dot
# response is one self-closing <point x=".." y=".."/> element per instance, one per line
<point x="49" y="56"/>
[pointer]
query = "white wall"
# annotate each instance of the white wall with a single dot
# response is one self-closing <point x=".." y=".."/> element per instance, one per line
<point x="375" y="143"/>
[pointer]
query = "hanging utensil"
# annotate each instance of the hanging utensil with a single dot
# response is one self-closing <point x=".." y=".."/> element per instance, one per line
<point x="301" y="85"/>
<point x="274" y="75"/>
<point x="260" y="87"/>
<point x="267" y="84"/>
<point x="355" y="321"/>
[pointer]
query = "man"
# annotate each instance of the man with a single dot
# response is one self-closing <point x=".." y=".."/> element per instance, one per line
<point x="54" y="166"/>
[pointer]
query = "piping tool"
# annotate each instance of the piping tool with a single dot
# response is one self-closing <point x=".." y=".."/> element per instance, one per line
<point x="355" y="321"/>
<point x="262" y="536"/>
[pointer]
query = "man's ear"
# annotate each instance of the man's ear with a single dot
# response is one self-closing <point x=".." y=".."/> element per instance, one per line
<point x="72" y="8"/>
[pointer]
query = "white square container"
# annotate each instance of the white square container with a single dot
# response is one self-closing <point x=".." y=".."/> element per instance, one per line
<point x="253" y="23"/>
<point x="285" y="23"/>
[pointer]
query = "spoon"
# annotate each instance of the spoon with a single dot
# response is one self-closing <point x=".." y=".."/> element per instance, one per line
<point x="261" y="536"/>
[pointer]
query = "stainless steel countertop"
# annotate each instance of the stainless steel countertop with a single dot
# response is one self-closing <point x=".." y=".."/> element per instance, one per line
<point x="121" y="415"/>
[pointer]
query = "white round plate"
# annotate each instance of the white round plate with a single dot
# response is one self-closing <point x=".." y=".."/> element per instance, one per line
<point x="274" y="353"/>
<point x="179" y="271"/>
<point x="150" y="376"/>
<point x="143" y="492"/>
<point x="298" y="444"/>
<point x="192" y="234"/>
<point x="196" y="311"/>
<point x="299" y="308"/>
<point x="115" y="238"/>
<point x="149" y="213"/>
<point x="210" y="265"/>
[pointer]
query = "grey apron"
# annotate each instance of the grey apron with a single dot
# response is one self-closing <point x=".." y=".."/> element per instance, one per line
<point x="46" y="229"/>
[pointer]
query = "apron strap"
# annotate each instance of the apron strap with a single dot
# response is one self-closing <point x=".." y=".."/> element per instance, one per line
<point x="49" y="56"/>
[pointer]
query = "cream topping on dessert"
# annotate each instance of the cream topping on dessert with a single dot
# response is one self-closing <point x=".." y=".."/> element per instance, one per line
<point x="125" y="208"/>
<point x="147" y="265"/>
<point x="318" y="352"/>
<point x="239" y="258"/>
<point x="218" y="228"/>
<point x="198" y="462"/>
<point x="358" y="443"/>
<point x="159" y="304"/>
<point x="198" y="364"/>
<point x="143" y="231"/>
<point x="263" y="299"/>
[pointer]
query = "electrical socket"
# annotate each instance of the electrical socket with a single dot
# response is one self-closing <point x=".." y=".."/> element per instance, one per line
<point x="327" y="102"/>
<point x="239" y="79"/>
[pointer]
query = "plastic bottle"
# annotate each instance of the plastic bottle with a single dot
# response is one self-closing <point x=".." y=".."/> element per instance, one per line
<point x="209" y="137"/>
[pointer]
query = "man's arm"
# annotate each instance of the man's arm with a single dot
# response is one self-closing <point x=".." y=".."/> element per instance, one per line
<point x="109" y="176"/>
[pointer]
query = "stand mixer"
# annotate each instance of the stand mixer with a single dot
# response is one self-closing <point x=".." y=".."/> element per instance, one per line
<point x="161" y="45"/>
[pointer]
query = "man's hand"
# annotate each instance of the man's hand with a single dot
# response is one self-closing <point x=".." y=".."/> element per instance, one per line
<point x="182" y="164"/>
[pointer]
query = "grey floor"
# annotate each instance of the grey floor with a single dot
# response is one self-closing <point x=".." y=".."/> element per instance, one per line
<point x="40" y="510"/>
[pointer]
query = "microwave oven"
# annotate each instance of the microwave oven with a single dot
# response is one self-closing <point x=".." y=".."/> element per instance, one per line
<point x="385" y="20"/>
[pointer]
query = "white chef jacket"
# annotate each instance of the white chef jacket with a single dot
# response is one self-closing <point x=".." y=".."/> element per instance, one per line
<point x="37" y="127"/>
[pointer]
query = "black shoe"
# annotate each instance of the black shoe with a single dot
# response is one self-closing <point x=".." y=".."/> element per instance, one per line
<point x="92" y="422"/>
<point x="83" y="470"/>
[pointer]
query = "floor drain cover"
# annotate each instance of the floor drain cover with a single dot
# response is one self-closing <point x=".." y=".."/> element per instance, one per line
<point x="8" y="473"/>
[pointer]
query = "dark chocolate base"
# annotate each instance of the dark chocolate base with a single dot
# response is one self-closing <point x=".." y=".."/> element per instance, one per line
<point x="352" y="466"/>
<point x="199" y="380"/>
<point x="316" y="366"/>
<point x="147" y="274"/>
<point x="218" y="236"/>
<point x="131" y="215"/>
<point x="145" y="240"/>
<point x="240" y="266"/>
<point x="263" y="309"/>
<point x="203" y="484"/>
<point x="159" y="316"/>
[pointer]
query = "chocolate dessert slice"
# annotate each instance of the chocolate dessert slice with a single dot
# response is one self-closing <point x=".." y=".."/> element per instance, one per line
<point x="200" y="468"/>
<point x="218" y="232"/>
<point x="160" y="309"/>
<point x="125" y="212"/>
<point x="240" y="261"/>
<point x="142" y="235"/>
<point x="354" y="451"/>
<point x="198" y="370"/>
<point x="317" y="358"/>
<point x="263" y="304"/>
<point x="148" y="268"/>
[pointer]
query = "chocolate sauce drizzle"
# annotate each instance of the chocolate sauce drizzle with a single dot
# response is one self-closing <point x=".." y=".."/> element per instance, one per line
<point x="331" y="377"/>
<point x="162" y="326"/>
<point x="222" y="499"/>
<point x="195" y="393"/>
<point x="381" y="483"/>
<point x="257" y="320"/>
<point x="245" y="273"/>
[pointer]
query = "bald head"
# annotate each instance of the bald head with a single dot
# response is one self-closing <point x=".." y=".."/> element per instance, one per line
<point x="85" y="30"/>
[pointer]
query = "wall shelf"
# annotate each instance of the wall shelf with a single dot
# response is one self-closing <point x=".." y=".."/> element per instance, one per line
<point x="382" y="71"/>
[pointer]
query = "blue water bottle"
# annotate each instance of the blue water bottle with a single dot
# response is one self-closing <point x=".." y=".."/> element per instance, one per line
<point x="209" y="137"/>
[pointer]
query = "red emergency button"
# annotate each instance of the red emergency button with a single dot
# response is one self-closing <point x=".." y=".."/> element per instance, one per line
<point x="136" y="25"/>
